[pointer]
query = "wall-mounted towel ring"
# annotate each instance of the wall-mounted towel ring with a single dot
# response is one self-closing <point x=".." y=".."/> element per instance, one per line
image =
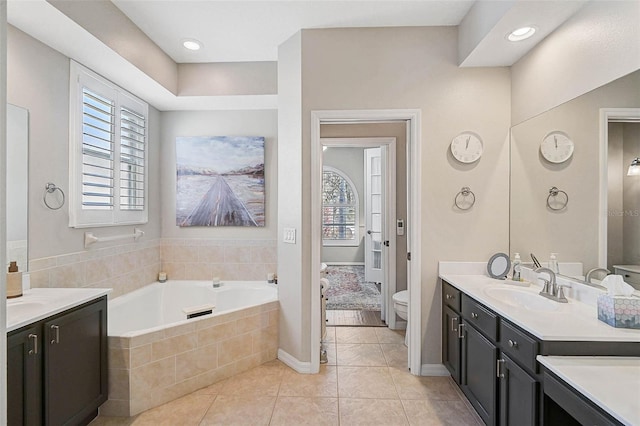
<point x="462" y="196"/>
<point x="553" y="199"/>
<point x="51" y="188"/>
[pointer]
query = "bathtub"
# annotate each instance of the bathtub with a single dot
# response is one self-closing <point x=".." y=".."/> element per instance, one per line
<point x="157" y="354"/>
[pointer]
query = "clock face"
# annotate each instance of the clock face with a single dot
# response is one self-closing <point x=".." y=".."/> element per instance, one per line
<point x="466" y="147"/>
<point x="556" y="147"/>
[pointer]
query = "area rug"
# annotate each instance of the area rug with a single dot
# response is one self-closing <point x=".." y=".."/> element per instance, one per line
<point x="348" y="289"/>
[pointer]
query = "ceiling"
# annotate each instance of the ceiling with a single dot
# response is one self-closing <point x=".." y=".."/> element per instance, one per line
<point x="245" y="31"/>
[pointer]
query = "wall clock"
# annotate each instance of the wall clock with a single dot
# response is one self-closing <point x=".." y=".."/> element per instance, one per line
<point x="467" y="147"/>
<point x="556" y="147"/>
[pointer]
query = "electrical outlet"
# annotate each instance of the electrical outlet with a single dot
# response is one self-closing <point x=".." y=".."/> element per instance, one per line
<point x="289" y="235"/>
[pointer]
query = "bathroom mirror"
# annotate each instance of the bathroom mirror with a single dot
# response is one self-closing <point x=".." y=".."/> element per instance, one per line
<point x="579" y="230"/>
<point x="498" y="266"/>
<point x="17" y="156"/>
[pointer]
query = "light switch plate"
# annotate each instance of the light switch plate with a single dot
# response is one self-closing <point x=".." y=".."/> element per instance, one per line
<point x="289" y="235"/>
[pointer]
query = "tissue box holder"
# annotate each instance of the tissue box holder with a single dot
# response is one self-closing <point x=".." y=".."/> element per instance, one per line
<point x="619" y="311"/>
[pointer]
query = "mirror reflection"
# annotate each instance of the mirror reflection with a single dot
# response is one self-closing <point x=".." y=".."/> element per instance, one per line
<point x="597" y="227"/>
<point x="17" y="186"/>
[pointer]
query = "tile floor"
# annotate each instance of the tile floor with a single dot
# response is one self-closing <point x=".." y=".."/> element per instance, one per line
<point x="365" y="382"/>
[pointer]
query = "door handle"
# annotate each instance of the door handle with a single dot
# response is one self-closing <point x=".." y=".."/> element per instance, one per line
<point x="56" y="329"/>
<point x="499" y="374"/>
<point x="460" y="332"/>
<point x="453" y="328"/>
<point x="35" y="344"/>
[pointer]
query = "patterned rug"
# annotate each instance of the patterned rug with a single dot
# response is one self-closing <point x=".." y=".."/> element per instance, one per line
<point x="348" y="289"/>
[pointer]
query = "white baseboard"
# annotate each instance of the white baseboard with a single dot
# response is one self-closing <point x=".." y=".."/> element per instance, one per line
<point x="344" y="263"/>
<point x="434" y="370"/>
<point x="293" y="362"/>
<point x="400" y="325"/>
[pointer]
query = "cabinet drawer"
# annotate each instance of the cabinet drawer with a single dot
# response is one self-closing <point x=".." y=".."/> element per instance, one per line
<point x="632" y="278"/>
<point x="518" y="345"/>
<point x="476" y="314"/>
<point x="451" y="296"/>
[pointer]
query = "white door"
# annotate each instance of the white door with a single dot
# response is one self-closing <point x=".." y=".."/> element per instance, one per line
<point x="374" y="262"/>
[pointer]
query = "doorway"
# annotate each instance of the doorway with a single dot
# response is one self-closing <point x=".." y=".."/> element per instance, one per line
<point x="412" y="125"/>
<point x="358" y="230"/>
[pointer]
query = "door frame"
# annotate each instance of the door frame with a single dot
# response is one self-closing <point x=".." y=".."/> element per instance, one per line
<point x="606" y="115"/>
<point x="390" y="209"/>
<point x="413" y="224"/>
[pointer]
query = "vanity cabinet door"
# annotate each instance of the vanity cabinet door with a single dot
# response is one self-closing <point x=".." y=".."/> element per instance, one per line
<point x="76" y="364"/>
<point x="451" y="342"/>
<point x="479" y="381"/>
<point x="24" y="376"/>
<point x="518" y="395"/>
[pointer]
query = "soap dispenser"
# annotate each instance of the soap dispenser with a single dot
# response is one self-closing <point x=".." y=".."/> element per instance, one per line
<point x="516" y="267"/>
<point x="14" y="281"/>
<point x="553" y="263"/>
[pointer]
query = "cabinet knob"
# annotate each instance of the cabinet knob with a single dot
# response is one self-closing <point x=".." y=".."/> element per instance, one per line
<point x="448" y="296"/>
<point x="474" y="315"/>
<point x="513" y="343"/>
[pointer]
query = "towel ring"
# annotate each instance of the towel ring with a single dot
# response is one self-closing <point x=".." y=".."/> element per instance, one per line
<point x="465" y="192"/>
<point x="554" y="192"/>
<point x="50" y="188"/>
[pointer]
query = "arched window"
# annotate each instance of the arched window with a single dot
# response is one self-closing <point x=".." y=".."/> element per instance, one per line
<point x="339" y="209"/>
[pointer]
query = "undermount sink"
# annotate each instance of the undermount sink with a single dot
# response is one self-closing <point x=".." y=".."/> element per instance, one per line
<point x="521" y="299"/>
<point x="20" y="308"/>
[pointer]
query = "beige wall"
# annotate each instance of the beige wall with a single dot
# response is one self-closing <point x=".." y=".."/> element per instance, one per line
<point x="534" y="228"/>
<point x="3" y="286"/>
<point x="616" y="174"/>
<point x="385" y="68"/>
<point x="228" y="78"/>
<point x="631" y="204"/>
<point x="597" y="45"/>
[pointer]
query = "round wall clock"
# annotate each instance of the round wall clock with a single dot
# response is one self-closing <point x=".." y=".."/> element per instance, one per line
<point x="466" y="147"/>
<point x="556" y="147"/>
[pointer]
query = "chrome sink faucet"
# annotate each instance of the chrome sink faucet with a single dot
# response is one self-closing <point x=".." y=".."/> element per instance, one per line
<point x="587" y="279"/>
<point x="551" y="289"/>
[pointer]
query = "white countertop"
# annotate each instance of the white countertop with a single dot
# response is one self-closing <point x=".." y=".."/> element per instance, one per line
<point x="573" y="321"/>
<point x="39" y="303"/>
<point x="612" y="383"/>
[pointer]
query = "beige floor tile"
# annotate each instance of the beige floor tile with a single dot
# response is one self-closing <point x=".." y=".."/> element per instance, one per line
<point x="386" y="335"/>
<point x="365" y="382"/>
<point x="360" y="354"/>
<point x="371" y="412"/>
<point x="331" y="335"/>
<point x="331" y="354"/>
<point x="434" y="413"/>
<point x="188" y="410"/>
<point x="259" y="381"/>
<point x="416" y="387"/>
<point x="323" y="384"/>
<point x="296" y="411"/>
<point x="240" y="410"/>
<point x="356" y="335"/>
<point x="112" y="421"/>
<point x="395" y="355"/>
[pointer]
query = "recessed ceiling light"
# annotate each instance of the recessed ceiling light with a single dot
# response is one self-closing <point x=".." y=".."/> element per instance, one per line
<point x="521" y="34"/>
<point x="191" y="44"/>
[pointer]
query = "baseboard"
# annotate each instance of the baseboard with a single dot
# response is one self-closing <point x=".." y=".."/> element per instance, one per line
<point x="293" y="362"/>
<point x="400" y="325"/>
<point x="344" y="263"/>
<point x="434" y="370"/>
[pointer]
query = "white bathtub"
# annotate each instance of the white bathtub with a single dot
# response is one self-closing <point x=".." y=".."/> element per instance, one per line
<point x="156" y="354"/>
<point x="160" y="305"/>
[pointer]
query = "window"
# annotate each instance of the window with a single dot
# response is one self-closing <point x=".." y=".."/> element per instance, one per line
<point x="339" y="209"/>
<point x="107" y="153"/>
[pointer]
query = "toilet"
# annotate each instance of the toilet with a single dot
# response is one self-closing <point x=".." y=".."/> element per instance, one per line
<point x="400" y="302"/>
<point x="400" y="306"/>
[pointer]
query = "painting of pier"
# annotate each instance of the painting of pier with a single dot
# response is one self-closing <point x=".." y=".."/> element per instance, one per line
<point x="220" y="181"/>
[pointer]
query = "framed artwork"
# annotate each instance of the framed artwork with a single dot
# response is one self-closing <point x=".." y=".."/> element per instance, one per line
<point x="220" y="181"/>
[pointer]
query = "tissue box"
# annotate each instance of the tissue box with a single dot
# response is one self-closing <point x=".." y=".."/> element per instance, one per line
<point x="619" y="311"/>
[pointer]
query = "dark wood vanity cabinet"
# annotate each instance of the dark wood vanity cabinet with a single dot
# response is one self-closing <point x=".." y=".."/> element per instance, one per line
<point x="451" y="348"/>
<point x="64" y="379"/>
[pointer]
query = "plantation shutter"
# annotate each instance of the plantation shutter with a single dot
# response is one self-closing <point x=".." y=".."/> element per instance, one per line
<point x="107" y="153"/>
<point x="97" y="151"/>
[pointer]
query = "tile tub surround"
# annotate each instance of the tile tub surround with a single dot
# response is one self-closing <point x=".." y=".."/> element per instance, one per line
<point x="149" y="370"/>
<point x="202" y="259"/>
<point x="371" y="388"/>
<point x="124" y="268"/>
